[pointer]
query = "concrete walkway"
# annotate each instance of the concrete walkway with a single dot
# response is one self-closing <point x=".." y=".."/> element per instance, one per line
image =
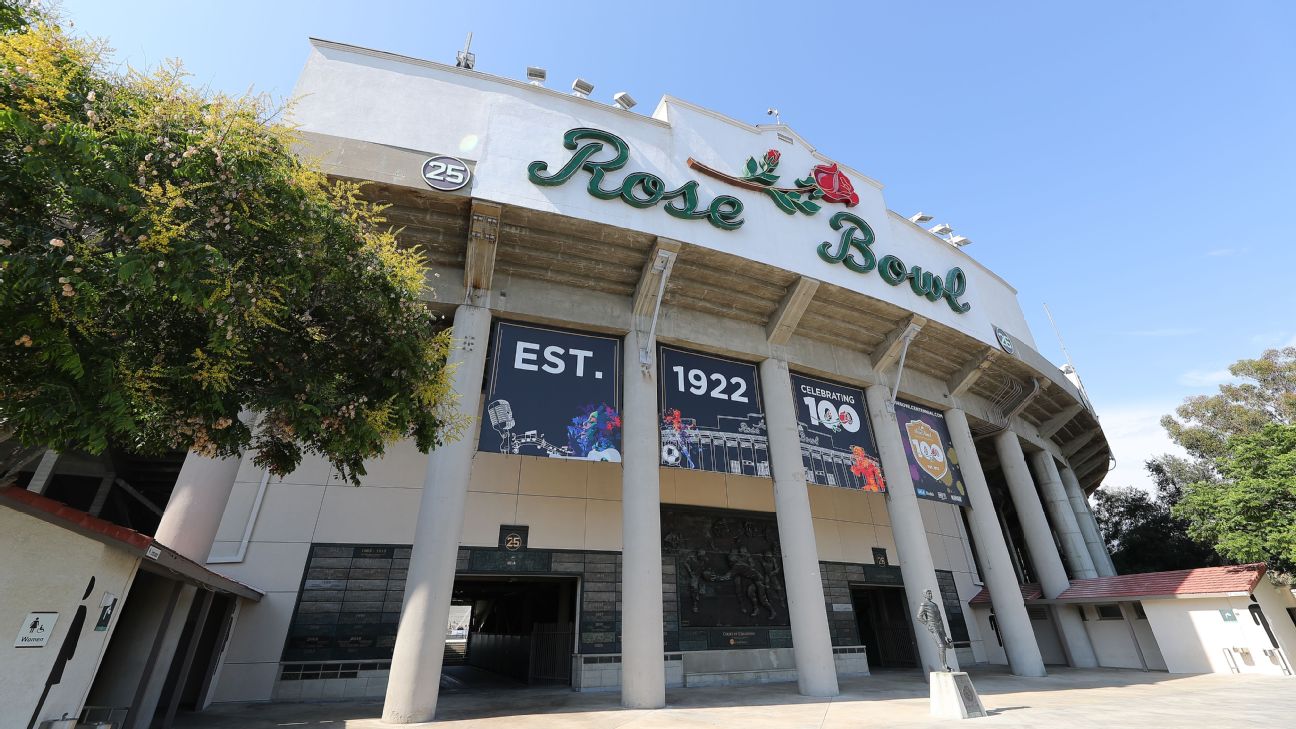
<point x="1067" y="699"/>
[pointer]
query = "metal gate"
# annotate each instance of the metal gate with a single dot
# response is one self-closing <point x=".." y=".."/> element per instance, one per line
<point x="551" y="653"/>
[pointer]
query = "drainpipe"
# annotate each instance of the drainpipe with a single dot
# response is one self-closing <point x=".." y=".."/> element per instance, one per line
<point x="251" y="523"/>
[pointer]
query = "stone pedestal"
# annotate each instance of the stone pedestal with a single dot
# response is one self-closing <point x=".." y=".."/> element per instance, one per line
<point x="953" y="696"/>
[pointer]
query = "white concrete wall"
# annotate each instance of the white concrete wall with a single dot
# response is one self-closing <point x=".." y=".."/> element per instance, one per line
<point x="1147" y="641"/>
<point x="46" y="568"/>
<point x="1194" y="638"/>
<point x="1046" y="636"/>
<point x="1113" y="641"/>
<point x="994" y="652"/>
<point x="503" y="126"/>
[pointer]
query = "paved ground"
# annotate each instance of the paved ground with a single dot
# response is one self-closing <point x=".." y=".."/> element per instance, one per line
<point x="1068" y="699"/>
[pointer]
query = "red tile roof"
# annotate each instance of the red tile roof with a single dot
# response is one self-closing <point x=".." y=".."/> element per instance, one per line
<point x="1029" y="592"/>
<point x="1200" y="581"/>
<point x="77" y="520"/>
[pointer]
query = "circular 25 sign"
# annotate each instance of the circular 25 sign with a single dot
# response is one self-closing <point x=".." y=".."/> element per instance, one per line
<point x="446" y="173"/>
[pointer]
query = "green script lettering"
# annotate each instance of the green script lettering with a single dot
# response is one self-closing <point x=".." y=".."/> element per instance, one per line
<point x="858" y="237"/>
<point x="639" y="189"/>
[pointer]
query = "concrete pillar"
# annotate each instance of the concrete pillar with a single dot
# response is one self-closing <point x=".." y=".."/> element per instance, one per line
<point x="420" y="638"/>
<point x="193" y="513"/>
<point x="1088" y="525"/>
<point x="643" y="665"/>
<point x="1064" y="518"/>
<point x="811" y="641"/>
<point x="1044" y="555"/>
<point x="996" y="564"/>
<point x="906" y="524"/>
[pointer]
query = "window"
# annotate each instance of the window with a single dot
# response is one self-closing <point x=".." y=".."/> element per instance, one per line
<point x="1110" y="612"/>
<point x="1138" y="611"/>
<point x="880" y="556"/>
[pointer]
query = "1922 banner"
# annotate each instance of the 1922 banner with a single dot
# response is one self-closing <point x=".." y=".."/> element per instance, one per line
<point x="553" y="393"/>
<point x="837" y="447"/>
<point x="711" y="414"/>
<point x="933" y="462"/>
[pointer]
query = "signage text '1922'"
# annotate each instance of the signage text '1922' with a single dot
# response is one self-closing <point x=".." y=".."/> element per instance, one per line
<point x="699" y="382"/>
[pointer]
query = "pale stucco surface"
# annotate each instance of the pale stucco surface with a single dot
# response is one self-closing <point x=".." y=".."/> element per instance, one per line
<point x="46" y="568"/>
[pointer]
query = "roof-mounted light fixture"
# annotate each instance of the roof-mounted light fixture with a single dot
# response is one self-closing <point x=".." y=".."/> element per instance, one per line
<point x="942" y="229"/>
<point x="536" y="75"/>
<point x="582" y="88"/>
<point x="466" y="59"/>
<point x="920" y="218"/>
<point x="623" y="100"/>
<point x="959" y="241"/>
<point x="774" y="113"/>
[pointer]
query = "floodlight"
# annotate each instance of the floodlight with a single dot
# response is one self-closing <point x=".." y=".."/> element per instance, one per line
<point x="942" y="229"/>
<point x="466" y="59"/>
<point x="582" y="88"/>
<point x="920" y="218"/>
<point x="536" y="75"/>
<point x="624" y="100"/>
<point x="960" y="241"/>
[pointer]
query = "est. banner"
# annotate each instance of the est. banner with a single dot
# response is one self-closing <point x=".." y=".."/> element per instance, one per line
<point x="837" y="447"/>
<point x="711" y="414"/>
<point x="933" y="462"/>
<point x="553" y="393"/>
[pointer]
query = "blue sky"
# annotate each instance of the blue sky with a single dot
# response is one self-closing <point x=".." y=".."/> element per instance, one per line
<point x="1130" y="164"/>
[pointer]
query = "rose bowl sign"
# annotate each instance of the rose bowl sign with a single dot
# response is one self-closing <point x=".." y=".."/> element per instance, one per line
<point x="824" y="183"/>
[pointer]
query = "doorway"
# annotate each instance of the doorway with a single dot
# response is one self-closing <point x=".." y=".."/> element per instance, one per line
<point x="884" y="626"/>
<point x="518" y="631"/>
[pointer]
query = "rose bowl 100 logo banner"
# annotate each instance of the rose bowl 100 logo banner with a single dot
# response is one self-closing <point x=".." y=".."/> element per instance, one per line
<point x="837" y="447"/>
<point x="933" y="462"/>
<point x="553" y="393"/>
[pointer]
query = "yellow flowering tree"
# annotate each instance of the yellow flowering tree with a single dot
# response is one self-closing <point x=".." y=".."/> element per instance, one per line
<point x="167" y="264"/>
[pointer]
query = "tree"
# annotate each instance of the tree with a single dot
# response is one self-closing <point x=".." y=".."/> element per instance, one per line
<point x="167" y="264"/>
<point x="1238" y="490"/>
<point x="1249" y="513"/>
<point x="1142" y="533"/>
<point x="1247" y="407"/>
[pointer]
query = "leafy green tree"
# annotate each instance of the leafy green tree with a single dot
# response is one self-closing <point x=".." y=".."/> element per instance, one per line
<point x="1141" y="532"/>
<point x="1206" y="422"/>
<point x="168" y="264"/>
<point x="1249" y="513"/>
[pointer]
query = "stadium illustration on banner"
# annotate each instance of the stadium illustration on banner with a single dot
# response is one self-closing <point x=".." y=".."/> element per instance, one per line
<point x="933" y="462"/>
<point x="837" y="446"/>
<point x="553" y="393"/>
<point x="711" y="417"/>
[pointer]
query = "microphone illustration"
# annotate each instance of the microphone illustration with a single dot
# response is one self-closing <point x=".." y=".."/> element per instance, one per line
<point x="500" y="413"/>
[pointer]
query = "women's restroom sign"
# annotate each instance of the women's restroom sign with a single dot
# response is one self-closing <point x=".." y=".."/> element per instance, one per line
<point x="36" y="630"/>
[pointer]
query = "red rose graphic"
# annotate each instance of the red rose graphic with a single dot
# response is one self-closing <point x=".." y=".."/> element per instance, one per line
<point x="836" y="186"/>
<point x="772" y="158"/>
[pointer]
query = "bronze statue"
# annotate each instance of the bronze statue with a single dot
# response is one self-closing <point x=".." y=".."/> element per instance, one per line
<point x="929" y="615"/>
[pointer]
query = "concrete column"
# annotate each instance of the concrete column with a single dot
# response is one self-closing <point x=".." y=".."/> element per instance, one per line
<point x="420" y="638"/>
<point x="996" y="564"/>
<point x="1064" y="518"/>
<point x="811" y="641"/>
<point x="906" y="523"/>
<point x="193" y="513"/>
<point x="1044" y="555"/>
<point x="1088" y="525"/>
<point x="643" y="665"/>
